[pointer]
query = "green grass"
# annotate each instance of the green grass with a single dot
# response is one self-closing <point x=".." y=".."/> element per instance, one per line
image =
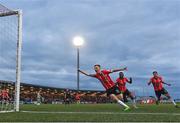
<point x="118" y="113"/>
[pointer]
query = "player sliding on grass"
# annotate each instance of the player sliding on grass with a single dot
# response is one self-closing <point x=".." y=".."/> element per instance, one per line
<point x="121" y="82"/>
<point x="158" y="82"/>
<point x="111" y="89"/>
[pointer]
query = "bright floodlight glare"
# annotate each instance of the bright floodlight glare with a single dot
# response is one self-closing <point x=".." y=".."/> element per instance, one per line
<point x="78" y="41"/>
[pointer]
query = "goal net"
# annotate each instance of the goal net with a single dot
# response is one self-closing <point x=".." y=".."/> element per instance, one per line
<point x="10" y="58"/>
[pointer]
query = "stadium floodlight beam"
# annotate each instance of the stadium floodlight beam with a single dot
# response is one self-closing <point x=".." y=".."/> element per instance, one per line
<point x="78" y="42"/>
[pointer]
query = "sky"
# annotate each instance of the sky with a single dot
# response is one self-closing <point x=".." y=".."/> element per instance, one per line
<point x="143" y="35"/>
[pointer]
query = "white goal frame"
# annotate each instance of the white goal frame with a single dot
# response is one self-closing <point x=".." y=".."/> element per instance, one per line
<point x="18" y="13"/>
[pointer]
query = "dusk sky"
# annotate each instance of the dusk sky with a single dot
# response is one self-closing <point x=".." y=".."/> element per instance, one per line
<point x="143" y="35"/>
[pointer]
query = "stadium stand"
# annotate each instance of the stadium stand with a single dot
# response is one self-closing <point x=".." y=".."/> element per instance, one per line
<point x="29" y="92"/>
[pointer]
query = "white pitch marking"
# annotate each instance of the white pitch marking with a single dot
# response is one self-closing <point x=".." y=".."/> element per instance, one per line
<point x="7" y="111"/>
<point x="145" y="113"/>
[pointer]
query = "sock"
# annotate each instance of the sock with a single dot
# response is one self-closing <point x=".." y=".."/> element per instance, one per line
<point x="123" y="104"/>
<point x="134" y="102"/>
<point x="173" y="101"/>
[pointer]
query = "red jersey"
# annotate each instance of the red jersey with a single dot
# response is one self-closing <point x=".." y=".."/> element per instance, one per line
<point x="77" y="97"/>
<point x="157" y="83"/>
<point x="122" y="83"/>
<point x="4" y="94"/>
<point x="105" y="79"/>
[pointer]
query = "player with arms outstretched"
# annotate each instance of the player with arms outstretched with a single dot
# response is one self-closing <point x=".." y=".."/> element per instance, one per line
<point x="158" y="82"/>
<point x="121" y="82"/>
<point x="111" y="89"/>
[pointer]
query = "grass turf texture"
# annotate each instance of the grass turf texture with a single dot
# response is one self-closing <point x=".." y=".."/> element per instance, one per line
<point x="93" y="113"/>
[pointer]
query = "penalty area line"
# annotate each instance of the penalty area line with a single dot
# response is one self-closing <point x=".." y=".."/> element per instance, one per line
<point x="121" y="113"/>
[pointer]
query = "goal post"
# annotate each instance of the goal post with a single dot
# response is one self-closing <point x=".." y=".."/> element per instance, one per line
<point x="18" y="60"/>
<point x="10" y="52"/>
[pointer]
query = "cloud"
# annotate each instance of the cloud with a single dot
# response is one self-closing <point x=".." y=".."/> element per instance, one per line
<point x="143" y="35"/>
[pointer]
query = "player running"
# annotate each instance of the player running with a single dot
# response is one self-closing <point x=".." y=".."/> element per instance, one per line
<point x="111" y="89"/>
<point x="78" y="98"/>
<point x="67" y="97"/>
<point x="121" y="82"/>
<point x="39" y="98"/>
<point x="158" y="82"/>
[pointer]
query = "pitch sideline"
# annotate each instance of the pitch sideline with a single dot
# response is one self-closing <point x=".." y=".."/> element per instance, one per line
<point x="125" y="113"/>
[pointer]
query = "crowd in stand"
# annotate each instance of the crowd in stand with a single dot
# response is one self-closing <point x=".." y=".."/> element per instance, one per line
<point x="47" y="95"/>
<point x="61" y="97"/>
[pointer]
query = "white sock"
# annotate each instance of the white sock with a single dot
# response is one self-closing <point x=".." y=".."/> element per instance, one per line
<point x="173" y="101"/>
<point x="134" y="102"/>
<point x="123" y="104"/>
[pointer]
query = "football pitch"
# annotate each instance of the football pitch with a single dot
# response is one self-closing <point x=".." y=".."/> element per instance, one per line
<point x="92" y="113"/>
